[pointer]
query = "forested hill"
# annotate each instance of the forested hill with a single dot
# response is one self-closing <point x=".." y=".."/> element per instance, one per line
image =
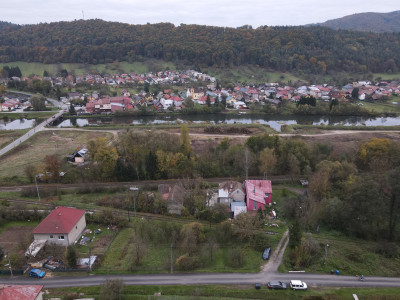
<point x="312" y="49"/>
<point x="371" y="22"/>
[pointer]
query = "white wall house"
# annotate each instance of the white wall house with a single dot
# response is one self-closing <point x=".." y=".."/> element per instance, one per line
<point x="62" y="226"/>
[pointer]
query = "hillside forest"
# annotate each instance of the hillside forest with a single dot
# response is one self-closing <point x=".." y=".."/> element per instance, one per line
<point x="314" y="49"/>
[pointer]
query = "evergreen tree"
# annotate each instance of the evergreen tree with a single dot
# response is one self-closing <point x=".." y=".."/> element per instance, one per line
<point x="71" y="256"/>
<point x="151" y="165"/>
<point x="72" y="109"/>
<point x="208" y="100"/>
<point x="223" y="100"/>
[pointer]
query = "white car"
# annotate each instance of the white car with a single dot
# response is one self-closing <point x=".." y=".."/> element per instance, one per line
<point x="298" y="285"/>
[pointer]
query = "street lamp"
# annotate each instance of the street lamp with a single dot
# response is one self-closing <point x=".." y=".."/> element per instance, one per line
<point x="133" y="189"/>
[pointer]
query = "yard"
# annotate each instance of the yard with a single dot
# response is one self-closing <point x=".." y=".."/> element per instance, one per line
<point x="15" y="235"/>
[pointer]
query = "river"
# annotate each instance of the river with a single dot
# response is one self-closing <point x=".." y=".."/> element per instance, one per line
<point x="274" y="122"/>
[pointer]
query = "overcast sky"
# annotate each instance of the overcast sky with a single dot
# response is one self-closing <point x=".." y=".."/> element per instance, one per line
<point x="230" y="13"/>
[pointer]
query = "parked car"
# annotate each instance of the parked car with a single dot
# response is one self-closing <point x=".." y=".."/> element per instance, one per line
<point x="266" y="253"/>
<point x="37" y="273"/>
<point x="298" y="285"/>
<point x="276" y="285"/>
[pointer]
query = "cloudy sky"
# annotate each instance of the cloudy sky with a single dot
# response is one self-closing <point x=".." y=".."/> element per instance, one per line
<point x="230" y="13"/>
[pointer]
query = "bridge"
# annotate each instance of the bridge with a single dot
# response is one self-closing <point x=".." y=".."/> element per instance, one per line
<point x="37" y="128"/>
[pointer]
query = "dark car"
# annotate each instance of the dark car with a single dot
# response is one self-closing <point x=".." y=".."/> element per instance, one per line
<point x="266" y="253"/>
<point x="276" y="285"/>
<point x="37" y="273"/>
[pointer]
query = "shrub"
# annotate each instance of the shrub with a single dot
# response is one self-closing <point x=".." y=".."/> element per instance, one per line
<point x="186" y="262"/>
<point x="387" y="249"/>
<point x="235" y="258"/>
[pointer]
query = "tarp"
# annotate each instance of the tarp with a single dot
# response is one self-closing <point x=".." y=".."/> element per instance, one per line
<point x="35" y="247"/>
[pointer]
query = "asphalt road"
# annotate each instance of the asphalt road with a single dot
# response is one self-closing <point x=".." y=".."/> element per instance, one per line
<point x="312" y="280"/>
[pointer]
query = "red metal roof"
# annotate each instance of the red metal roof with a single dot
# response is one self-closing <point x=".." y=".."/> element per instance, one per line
<point x="19" y="292"/>
<point x="60" y="220"/>
<point x="256" y="190"/>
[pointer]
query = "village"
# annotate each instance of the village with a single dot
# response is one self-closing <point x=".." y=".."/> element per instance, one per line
<point x="201" y="88"/>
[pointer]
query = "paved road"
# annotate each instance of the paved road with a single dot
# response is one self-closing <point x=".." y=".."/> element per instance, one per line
<point x="30" y="133"/>
<point x="313" y="280"/>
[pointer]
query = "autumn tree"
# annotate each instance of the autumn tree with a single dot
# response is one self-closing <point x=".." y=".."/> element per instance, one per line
<point x="378" y="154"/>
<point x="52" y="165"/>
<point x="104" y="157"/>
<point x="186" y="149"/>
<point x="267" y="161"/>
<point x="38" y="102"/>
<point x="191" y="235"/>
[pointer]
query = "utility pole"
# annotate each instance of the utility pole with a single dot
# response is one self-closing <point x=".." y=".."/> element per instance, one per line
<point x="9" y="265"/>
<point x="326" y="252"/>
<point x="133" y="189"/>
<point x="37" y="189"/>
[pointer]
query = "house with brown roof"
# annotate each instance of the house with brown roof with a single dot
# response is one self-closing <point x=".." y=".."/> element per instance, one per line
<point x="174" y="195"/>
<point x="62" y="226"/>
<point x="230" y="191"/>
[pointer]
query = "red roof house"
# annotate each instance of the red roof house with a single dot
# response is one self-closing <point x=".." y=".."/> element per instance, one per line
<point x="21" y="292"/>
<point x="258" y="194"/>
<point x="63" y="226"/>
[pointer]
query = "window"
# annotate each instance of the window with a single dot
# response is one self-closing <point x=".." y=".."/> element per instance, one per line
<point x="60" y="237"/>
<point x="254" y="205"/>
<point x="51" y="236"/>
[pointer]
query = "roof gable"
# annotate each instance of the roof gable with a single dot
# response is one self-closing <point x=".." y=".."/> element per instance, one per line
<point x="256" y="190"/>
<point x="60" y="220"/>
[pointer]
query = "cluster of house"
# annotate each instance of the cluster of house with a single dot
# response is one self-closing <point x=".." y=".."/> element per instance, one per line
<point x="239" y="97"/>
<point x="10" y="105"/>
<point x="65" y="225"/>
<point x="249" y="196"/>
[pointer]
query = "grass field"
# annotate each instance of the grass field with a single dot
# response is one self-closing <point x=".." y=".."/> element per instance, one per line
<point x="28" y="69"/>
<point x="248" y="73"/>
<point x="33" y="151"/>
<point x="383" y="106"/>
<point x="120" y="256"/>
<point x="226" y="292"/>
<point x="351" y="256"/>
<point x="7" y="136"/>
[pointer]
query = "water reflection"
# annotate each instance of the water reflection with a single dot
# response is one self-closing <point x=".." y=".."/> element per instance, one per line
<point x="275" y="122"/>
<point x="17" y="124"/>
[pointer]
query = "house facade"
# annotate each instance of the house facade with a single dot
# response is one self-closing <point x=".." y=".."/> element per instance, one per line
<point x="63" y="226"/>
<point x="258" y="194"/>
<point x="230" y="191"/>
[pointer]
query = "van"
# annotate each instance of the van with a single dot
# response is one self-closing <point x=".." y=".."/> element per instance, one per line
<point x="298" y="285"/>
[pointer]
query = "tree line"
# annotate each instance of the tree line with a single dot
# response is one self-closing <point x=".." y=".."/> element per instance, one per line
<point x="311" y="50"/>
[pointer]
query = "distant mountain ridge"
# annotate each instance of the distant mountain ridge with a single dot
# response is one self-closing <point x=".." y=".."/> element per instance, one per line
<point x="370" y="22"/>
